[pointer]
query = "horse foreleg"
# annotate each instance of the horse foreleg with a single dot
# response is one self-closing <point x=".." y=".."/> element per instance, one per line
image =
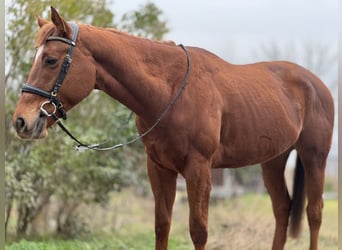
<point x="198" y="183"/>
<point x="273" y="175"/>
<point x="163" y="183"/>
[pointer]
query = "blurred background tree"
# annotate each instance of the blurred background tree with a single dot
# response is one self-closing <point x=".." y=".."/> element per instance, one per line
<point x="145" y="22"/>
<point x="49" y="171"/>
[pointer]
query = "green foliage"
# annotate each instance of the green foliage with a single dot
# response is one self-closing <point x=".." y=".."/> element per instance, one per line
<point x="49" y="170"/>
<point x="22" y="27"/>
<point x="145" y="22"/>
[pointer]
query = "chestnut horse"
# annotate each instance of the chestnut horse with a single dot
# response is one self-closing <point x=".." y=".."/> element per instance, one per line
<point x="227" y="116"/>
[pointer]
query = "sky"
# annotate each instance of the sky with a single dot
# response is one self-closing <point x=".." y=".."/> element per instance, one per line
<point x="239" y="24"/>
<point x="230" y="28"/>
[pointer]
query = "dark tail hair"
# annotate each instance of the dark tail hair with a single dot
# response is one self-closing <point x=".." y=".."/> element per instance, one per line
<point x="298" y="200"/>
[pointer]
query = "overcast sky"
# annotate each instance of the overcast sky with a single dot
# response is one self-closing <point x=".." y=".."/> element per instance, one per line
<point x="216" y="24"/>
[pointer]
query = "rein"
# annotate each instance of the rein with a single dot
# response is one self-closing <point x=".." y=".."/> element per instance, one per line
<point x="57" y="104"/>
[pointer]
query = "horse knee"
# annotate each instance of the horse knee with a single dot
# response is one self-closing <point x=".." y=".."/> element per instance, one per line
<point x="199" y="234"/>
<point x="162" y="229"/>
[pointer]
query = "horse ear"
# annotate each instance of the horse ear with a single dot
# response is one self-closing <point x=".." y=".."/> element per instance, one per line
<point x="59" y="22"/>
<point x="41" y="22"/>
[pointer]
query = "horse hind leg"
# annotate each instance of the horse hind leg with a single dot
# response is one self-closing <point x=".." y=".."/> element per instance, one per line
<point x="313" y="147"/>
<point x="314" y="161"/>
<point x="274" y="180"/>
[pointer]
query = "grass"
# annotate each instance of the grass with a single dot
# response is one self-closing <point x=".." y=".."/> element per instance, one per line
<point x="135" y="241"/>
<point x="241" y="223"/>
<point x="251" y="226"/>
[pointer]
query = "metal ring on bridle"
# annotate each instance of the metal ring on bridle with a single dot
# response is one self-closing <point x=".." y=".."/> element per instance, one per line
<point x="45" y="112"/>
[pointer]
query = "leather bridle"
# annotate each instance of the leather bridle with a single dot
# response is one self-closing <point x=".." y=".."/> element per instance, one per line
<point x="52" y="95"/>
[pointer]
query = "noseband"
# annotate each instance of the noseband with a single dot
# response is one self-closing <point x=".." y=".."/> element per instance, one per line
<point x="52" y="95"/>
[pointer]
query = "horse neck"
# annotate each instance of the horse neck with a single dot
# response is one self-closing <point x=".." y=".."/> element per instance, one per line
<point x="140" y="73"/>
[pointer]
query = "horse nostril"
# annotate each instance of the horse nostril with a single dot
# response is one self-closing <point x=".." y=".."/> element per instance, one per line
<point x="20" y="123"/>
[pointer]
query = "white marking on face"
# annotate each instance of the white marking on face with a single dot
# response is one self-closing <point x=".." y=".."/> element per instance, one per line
<point x="38" y="53"/>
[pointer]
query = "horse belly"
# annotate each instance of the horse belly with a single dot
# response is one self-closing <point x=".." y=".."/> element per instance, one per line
<point x="256" y="136"/>
<point x="259" y="150"/>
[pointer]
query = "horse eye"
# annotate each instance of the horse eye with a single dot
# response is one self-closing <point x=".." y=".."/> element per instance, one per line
<point x="51" y="61"/>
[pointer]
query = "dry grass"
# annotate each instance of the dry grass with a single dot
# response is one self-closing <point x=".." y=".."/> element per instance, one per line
<point x="242" y="223"/>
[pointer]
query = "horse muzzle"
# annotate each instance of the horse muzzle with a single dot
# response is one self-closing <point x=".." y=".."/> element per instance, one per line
<point x="30" y="129"/>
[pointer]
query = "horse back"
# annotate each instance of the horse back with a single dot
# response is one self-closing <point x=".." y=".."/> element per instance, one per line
<point x="263" y="108"/>
<point x="237" y="115"/>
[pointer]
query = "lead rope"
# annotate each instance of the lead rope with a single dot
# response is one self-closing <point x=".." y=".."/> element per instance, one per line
<point x="98" y="147"/>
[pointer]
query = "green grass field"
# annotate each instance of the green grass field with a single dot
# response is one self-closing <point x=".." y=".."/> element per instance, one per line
<point x="241" y="223"/>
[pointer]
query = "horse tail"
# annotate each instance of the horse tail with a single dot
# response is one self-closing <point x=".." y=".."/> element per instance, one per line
<point x="298" y="199"/>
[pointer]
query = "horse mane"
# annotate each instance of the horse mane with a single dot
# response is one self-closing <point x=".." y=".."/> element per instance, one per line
<point x="123" y="33"/>
<point x="48" y="29"/>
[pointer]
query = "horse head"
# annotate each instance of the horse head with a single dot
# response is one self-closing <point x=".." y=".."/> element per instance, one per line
<point x="54" y="84"/>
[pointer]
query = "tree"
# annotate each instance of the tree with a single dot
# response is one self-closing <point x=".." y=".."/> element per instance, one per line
<point x="38" y="171"/>
<point x="320" y="58"/>
<point x="22" y="28"/>
<point x="145" y="22"/>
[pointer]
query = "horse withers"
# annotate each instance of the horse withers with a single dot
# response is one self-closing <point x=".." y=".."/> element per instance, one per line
<point x="225" y="116"/>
